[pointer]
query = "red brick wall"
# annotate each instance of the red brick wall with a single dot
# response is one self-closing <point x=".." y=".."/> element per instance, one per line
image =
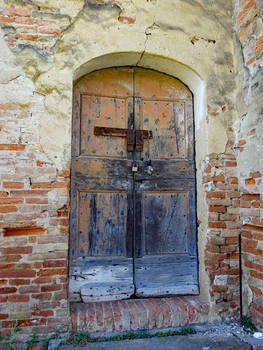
<point x="249" y="29"/>
<point x="223" y="199"/>
<point x="32" y="26"/>
<point x="34" y="227"/>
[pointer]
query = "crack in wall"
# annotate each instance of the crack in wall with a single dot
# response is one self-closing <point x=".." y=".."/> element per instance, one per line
<point x="147" y="36"/>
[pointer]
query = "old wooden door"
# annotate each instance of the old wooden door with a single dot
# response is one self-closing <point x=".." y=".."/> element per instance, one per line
<point x="133" y="214"/>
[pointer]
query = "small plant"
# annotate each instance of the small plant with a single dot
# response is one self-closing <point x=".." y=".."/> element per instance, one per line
<point x="34" y="339"/>
<point x="9" y="341"/>
<point x="44" y="340"/>
<point x="248" y="325"/>
<point x="80" y="337"/>
<point x="131" y="335"/>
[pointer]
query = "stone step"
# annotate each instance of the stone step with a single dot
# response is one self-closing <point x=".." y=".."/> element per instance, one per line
<point x="138" y="314"/>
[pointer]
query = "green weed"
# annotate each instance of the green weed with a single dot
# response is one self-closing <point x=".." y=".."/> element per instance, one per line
<point x="9" y="342"/>
<point x="248" y="325"/>
<point x="84" y="337"/>
<point x="80" y="337"/>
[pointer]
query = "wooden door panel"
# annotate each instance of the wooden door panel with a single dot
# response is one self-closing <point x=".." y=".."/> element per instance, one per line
<point x="101" y="279"/>
<point x="166" y="238"/>
<point x="172" y="170"/>
<point x="150" y="84"/>
<point x="165" y="222"/>
<point x="102" y="223"/>
<point x="166" y="119"/>
<point x="165" y="207"/>
<point x="101" y="263"/>
<point x="101" y="173"/>
<point x="162" y="275"/>
<point x="110" y="258"/>
<point x="102" y="111"/>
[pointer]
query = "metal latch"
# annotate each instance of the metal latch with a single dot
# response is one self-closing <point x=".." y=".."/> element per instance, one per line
<point x="134" y="167"/>
<point x="134" y="137"/>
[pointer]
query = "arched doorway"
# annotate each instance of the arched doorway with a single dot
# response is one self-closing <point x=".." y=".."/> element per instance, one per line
<point x="133" y="207"/>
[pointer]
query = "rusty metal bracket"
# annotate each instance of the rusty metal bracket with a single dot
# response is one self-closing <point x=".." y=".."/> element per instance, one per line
<point x="130" y="140"/>
<point x="138" y="140"/>
<point x="134" y="137"/>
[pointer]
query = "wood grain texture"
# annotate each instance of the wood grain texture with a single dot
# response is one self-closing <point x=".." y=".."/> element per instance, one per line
<point x="165" y="205"/>
<point x="132" y="233"/>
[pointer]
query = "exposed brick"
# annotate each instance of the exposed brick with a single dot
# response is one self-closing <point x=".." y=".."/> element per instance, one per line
<point x="252" y="265"/>
<point x="42" y="296"/>
<point x="16" y="11"/>
<point x="44" y="313"/>
<point x="51" y="288"/>
<point x="3" y="194"/>
<point x="48" y="30"/>
<point x="255" y="174"/>
<point x="217" y="209"/>
<point x="8" y="290"/>
<point x="12" y="184"/>
<point x="3" y="316"/>
<point x="54" y="184"/>
<point x="18" y="298"/>
<point x="231" y="164"/>
<point x="17" y="273"/>
<point x="36" y="201"/>
<point x="231" y="240"/>
<point x="258" y="236"/>
<point x="11" y="201"/>
<point x="45" y="279"/>
<point x="51" y="272"/>
<point x="29" y="193"/>
<point x="127" y="20"/>
<point x="232" y="180"/>
<point x="218" y="178"/>
<point x="23" y="231"/>
<point x="8" y="209"/>
<point x="17" y="250"/>
<point x="253" y="227"/>
<point x="55" y="263"/>
<point x="12" y="147"/>
<point x="219" y="288"/>
<point x="256" y="274"/>
<point x="250" y="181"/>
<point x="218" y="224"/>
<point x="250" y="196"/>
<point x="3" y="299"/>
<point x="6" y="19"/>
<point x="19" y="281"/>
<point x="29" y="289"/>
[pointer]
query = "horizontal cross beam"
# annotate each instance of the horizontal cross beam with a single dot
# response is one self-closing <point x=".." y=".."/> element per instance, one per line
<point x="134" y="137"/>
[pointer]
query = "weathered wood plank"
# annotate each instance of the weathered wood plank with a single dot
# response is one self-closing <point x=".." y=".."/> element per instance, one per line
<point x="165" y="205"/>
<point x="100" y="279"/>
<point x="162" y="278"/>
<point x="101" y="265"/>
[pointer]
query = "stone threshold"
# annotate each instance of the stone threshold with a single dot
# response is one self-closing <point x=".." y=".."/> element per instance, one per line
<point x="138" y="314"/>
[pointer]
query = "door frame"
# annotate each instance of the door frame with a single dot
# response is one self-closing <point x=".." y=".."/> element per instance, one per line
<point x="197" y="86"/>
<point x="79" y="283"/>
